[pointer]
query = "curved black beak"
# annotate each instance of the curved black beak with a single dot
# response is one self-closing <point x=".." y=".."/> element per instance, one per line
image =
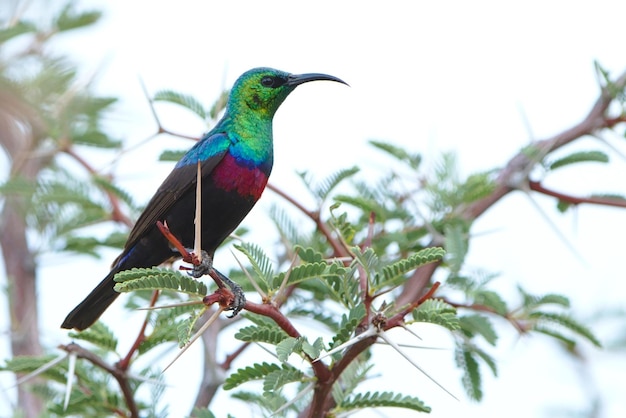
<point x="297" y="79"/>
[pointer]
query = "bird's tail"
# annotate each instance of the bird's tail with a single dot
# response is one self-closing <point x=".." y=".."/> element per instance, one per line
<point x="89" y="310"/>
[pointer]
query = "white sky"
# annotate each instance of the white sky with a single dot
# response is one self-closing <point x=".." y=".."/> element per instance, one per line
<point x="430" y="76"/>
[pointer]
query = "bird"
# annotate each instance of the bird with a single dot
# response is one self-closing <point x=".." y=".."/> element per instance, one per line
<point x="236" y="159"/>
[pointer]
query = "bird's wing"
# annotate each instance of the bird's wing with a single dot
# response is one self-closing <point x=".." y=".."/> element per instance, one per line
<point x="209" y="151"/>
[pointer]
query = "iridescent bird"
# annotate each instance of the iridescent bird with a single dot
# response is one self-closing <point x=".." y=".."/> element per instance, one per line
<point x="236" y="159"/>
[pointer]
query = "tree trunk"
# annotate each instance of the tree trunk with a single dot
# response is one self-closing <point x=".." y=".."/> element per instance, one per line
<point x="18" y="130"/>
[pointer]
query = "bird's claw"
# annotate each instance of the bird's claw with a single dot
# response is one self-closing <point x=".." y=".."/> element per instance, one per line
<point x="201" y="266"/>
<point x="239" y="298"/>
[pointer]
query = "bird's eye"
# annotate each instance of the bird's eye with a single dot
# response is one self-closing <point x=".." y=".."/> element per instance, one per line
<point x="267" y="81"/>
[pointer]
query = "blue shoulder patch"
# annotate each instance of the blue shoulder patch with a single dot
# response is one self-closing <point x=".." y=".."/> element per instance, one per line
<point x="209" y="146"/>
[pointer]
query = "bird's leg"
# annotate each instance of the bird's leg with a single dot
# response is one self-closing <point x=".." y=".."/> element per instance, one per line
<point x="239" y="300"/>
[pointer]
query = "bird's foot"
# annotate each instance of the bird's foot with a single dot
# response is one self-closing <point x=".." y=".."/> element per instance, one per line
<point x="201" y="265"/>
<point x="239" y="298"/>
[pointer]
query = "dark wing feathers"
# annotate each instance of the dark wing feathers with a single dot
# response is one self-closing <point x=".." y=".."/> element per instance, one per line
<point x="180" y="180"/>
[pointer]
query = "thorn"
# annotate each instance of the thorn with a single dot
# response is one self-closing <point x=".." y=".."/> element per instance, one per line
<point x="395" y="346"/>
<point x="555" y="229"/>
<point x="40" y="370"/>
<point x="281" y="289"/>
<point x="197" y="335"/>
<point x="249" y="276"/>
<point x="410" y="331"/>
<point x="367" y="334"/>
<point x="173" y="305"/>
<point x="299" y="395"/>
<point x="70" y="377"/>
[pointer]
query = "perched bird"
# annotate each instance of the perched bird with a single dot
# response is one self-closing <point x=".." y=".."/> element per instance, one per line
<point x="236" y="159"/>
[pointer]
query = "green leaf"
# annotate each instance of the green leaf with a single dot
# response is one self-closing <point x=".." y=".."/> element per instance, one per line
<point x="219" y="104"/>
<point x="477" y="186"/>
<point x="279" y="378"/>
<point x="171" y="155"/>
<point x="438" y="312"/>
<point x="489" y="361"/>
<point x="478" y="324"/>
<point x="99" y="335"/>
<point x="289" y="229"/>
<point x="270" y="335"/>
<point x="270" y="401"/>
<point x="366" y="204"/>
<point x="184" y="329"/>
<point x="579" y="157"/>
<point x="327" y="185"/>
<point x="19" y="28"/>
<point x="202" y="413"/>
<point x="471" y="374"/>
<point x="308" y="255"/>
<point x="107" y="185"/>
<point x="348" y="325"/>
<point x="163" y="333"/>
<point x="313" y="350"/>
<point x="342" y="225"/>
<point x="286" y="347"/>
<point x="94" y="138"/>
<point x="308" y="271"/>
<point x="353" y="375"/>
<point x="255" y="372"/>
<point x="158" y="279"/>
<point x="413" y="160"/>
<point x="261" y="263"/>
<point x="562" y="206"/>
<point x="456" y="244"/>
<point x="381" y="399"/>
<point x="569" y="343"/>
<point x="392" y="271"/>
<point x="69" y="19"/>
<point x="492" y="300"/>
<point x="185" y="100"/>
<point x="565" y="321"/>
<point x="531" y="301"/>
<point x="28" y="364"/>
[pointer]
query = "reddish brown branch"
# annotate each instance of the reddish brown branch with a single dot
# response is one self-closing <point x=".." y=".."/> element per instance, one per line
<point x="338" y="248"/>
<point x="116" y="212"/>
<point x="516" y="172"/>
<point x="164" y="229"/>
<point x="228" y="361"/>
<point x="124" y="364"/>
<point x="605" y="201"/>
<point x="398" y="318"/>
<point x="321" y="371"/>
<point x="117" y="373"/>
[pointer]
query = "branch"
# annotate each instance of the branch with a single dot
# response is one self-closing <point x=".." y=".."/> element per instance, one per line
<point x="116" y="213"/>
<point x="338" y="249"/>
<point x="125" y="362"/>
<point x="516" y="173"/>
<point x="605" y="201"/>
<point x="521" y="164"/>
<point x="116" y="372"/>
<point x="321" y="371"/>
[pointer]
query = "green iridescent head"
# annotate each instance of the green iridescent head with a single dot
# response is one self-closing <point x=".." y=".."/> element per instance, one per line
<point x="262" y="90"/>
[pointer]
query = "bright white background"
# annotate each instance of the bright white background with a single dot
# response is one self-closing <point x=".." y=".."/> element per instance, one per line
<point x="430" y="76"/>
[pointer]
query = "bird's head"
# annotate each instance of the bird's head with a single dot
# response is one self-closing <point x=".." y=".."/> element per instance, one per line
<point x="262" y="90"/>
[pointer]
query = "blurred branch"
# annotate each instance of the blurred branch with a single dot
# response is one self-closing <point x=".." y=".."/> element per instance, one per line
<point x="574" y="200"/>
<point x="515" y="174"/>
